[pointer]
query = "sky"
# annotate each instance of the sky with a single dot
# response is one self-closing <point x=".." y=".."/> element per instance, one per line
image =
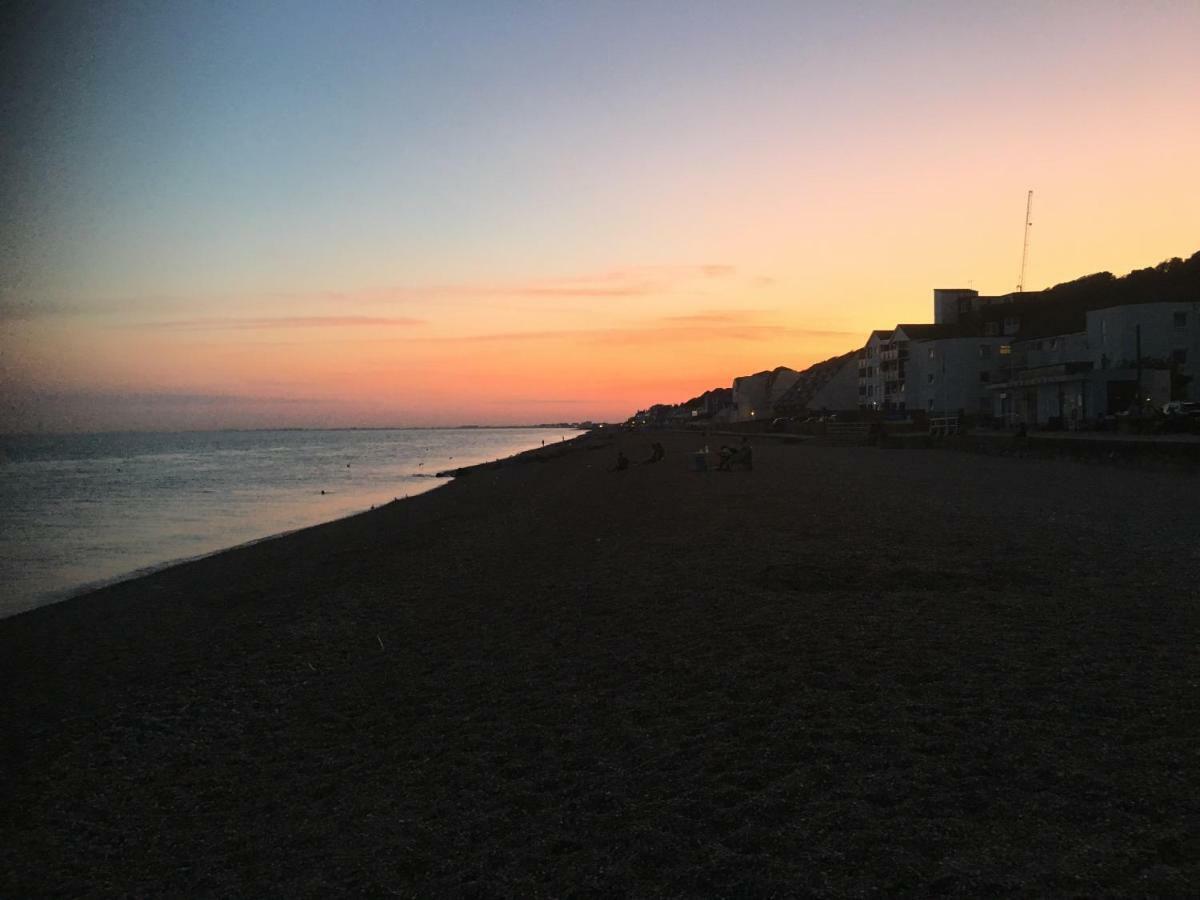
<point x="373" y="214"/>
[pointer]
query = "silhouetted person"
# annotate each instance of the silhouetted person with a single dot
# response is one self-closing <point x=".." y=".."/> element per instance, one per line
<point x="737" y="456"/>
<point x="622" y="462"/>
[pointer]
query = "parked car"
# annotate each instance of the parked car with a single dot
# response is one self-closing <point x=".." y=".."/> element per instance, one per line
<point x="1182" y="408"/>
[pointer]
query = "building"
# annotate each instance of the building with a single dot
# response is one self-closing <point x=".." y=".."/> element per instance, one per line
<point x="1120" y="357"/>
<point x="870" y="379"/>
<point x="947" y="369"/>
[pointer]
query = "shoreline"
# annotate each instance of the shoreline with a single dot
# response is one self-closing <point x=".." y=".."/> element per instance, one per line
<point x="845" y="671"/>
<point x="42" y="599"/>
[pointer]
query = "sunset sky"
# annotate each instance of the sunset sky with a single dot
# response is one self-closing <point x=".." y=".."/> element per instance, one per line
<point x="319" y="214"/>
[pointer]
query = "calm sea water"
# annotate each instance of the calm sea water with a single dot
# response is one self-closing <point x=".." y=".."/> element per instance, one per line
<point x="79" y="510"/>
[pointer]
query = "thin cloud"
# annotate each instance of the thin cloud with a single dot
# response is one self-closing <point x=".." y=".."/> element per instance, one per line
<point x="614" y="284"/>
<point x="163" y="398"/>
<point x="632" y="281"/>
<point x="24" y="310"/>
<point x="260" y="324"/>
<point x="532" y="400"/>
<point x="687" y="332"/>
<point x="717" y="316"/>
<point x="675" y="334"/>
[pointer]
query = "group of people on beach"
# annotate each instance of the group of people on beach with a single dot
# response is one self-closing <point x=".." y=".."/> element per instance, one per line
<point x="742" y="455"/>
<point x="657" y="452"/>
<point x="727" y="458"/>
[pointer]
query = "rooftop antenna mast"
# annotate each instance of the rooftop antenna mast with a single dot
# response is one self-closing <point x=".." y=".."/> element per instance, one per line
<point x="1025" y="250"/>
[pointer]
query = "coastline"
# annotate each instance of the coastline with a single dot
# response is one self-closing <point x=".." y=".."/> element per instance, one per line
<point x="836" y="673"/>
<point x="112" y="521"/>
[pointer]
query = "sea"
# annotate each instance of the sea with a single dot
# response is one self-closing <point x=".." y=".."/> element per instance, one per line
<point x="84" y="510"/>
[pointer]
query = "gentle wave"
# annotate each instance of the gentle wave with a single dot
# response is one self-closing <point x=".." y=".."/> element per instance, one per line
<point x="83" y="510"/>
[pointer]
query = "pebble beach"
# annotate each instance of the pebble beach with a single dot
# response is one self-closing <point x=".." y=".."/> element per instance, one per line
<point x="850" y="671"/>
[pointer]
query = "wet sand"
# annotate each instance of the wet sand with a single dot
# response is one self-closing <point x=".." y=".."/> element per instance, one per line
<point x="849" y="671"/>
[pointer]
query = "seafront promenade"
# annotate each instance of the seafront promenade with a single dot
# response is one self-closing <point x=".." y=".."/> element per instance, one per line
<point x="851" y="670"/>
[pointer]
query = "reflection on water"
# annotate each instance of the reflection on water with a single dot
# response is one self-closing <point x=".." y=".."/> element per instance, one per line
<point x="77" y="509"/>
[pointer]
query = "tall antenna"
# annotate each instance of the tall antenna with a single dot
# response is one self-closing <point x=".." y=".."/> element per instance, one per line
<point x="1025" y="251"/>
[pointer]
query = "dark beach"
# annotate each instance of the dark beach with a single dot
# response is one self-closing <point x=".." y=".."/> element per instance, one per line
<point x="848" y="672"/>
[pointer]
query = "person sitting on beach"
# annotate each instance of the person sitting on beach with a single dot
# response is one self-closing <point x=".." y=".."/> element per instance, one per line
<point x="743" y="456"/>
<point x="622" y="462"/>
<point x="656" y="452"/>
<point x="724" y="456"/>
<point x="737" y="456"/>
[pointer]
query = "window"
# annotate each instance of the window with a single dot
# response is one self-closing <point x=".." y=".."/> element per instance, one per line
<point x="931" y="353"/>
<point x="985" y="351"/>
<point x="991" y="329"/>
<point x="1179" y="320"/>
<point x="1012" y="324"/>
<point x="929" y="378"/>
<point x="1179" y="356"/>
<point x="1053" y="343"/>
<point x="1005" y="349"/>
<point x="930" y="405"/>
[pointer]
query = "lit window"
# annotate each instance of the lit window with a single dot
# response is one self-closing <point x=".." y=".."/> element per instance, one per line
<point x="1005" y="349"/>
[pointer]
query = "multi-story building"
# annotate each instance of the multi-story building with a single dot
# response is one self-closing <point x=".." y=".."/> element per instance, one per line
<point x="1120" y="357"/>
<point x="1088" y="348"/>
<point x="870" y="378"/>
<point x="949" y="369"/>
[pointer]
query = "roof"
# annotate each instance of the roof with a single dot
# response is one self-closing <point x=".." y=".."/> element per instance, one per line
<point x="925" y="332"/>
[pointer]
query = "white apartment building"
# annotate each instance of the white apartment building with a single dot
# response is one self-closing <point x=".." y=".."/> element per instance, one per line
<point x="948" y="375"/>
<point x="870" y="378"/>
